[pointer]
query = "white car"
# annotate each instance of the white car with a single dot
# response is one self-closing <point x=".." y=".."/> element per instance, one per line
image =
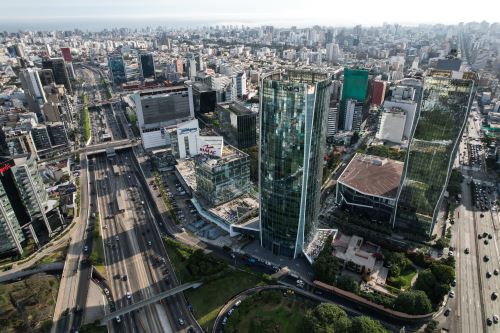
<point x="452" y="294"/>
<point x="129" y="295"/>
<point x="118" y="319"/>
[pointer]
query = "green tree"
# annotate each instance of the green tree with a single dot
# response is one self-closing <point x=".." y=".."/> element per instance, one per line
<point x="327" y="318"/>
<point x="443" y="273"/>
<point x="347" y="283"/>
<point x="413" y="302"/>
<point x="428" y="283"/>
<point x="364" y="324"/>
<point x="326" y="266"/>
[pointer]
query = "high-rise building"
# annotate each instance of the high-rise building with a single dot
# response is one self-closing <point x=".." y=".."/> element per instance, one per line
<point x="59" y="70"/>
<point x="378" y="92"/>
<point x="46" y="77"/>
<point x="332" y="121"/>
<point x="66" y="53"/>
<point x="57" y="133"/>
<point x="158" y="109"/>
<point x="442" y="117"/>
<point x="294" y="106"/>
<point x="10" y="229"/>
<point x="204" y="98"/>
<point x="353" y="115"/>
<point x="116" y="66"/>
<point x="241" y="84"/>
<point x="147" y="65"/>
<point x="238" y="124"/>
<point x="354" y="88"/>
<point x="33" y="90"/>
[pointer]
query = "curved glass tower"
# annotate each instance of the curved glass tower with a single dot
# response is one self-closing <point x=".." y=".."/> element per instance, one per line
<point x="292" y="132"/>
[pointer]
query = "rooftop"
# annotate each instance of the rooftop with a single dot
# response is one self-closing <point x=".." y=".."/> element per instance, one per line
<point x="373" y="175"/>
<point x="236" y="108"/>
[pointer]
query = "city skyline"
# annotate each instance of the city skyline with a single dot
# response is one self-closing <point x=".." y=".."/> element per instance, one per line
<point x="95" y="15"/>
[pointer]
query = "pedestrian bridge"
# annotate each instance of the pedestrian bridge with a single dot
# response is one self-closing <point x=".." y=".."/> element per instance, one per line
<point x="151" y="300"/>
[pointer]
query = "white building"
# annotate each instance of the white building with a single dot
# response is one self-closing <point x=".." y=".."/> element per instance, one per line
<point x="353" y="115"/>
<point x="160" y="109"/>
<point x="332" y="121"/>
<point x="392" y="125"/>
<point x="186" y="141"/>
<point x="410" y="109"/>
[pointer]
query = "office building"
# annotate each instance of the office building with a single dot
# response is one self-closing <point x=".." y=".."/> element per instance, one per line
<point x="46" y="77"/>
<point x="443" y="115"/>
<point x="10" y="229"/>
<point x="59" y="70"/>
<point x="40" y="137"/>
<point x="294" y="107"/>
<point x="332" y="52"/>
<point x="159" y="109"/>
<point x="116" y="66"/>
<point x="237" y="124"/>
<point x="18" y="143"/>
<point x="66" y="54"/>
<point x="204" y="98"/>
<point x="241" y="84"/>
<point x="33" y="90"/>
<point x="378" y="92"/>
<point x="32" y="192"/>
<point x="354" y="88"/>
<point x="147" y="66"/>
<point x="57" y="134"/>
<point x="410" y="110"/>
<point x="369" y="185"/>
<point x="353" y="117"/>
<point x="332" y="121"/>
<point x="222" y="179"/>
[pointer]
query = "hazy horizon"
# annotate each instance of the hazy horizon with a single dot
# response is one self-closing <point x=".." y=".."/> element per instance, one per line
<point x="100" y="14"/>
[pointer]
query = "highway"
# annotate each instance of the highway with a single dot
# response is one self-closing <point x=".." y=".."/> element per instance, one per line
<point x="473" y="304"/>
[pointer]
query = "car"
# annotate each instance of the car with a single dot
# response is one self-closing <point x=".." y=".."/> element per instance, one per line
<point x="486" y="258"/>
<point x="117" y="276"/>
<point x="238" y="302"/>
<point x="118" y="319"/>
<point x="486" y="242"/>
<point x="453" y="283"/>
<point x="490" y="236"/>
<point x="488" y="274"/>
<point x="467" y="251"/>
<point x="451" y="248"/>
<point x="489" y="321"/>
<point x="106" y="291"/>
<point x="129" y="295"/>
<point x="149" y="243"/>
<point x="230" y="312"/>
<point x="224" y="321"/>
<point x="124" y="278"/>
<point x="494" y="295"/>
<point x="451" y="294"/>
<point x="85" y="248"/>
<point x="496" y="271"/>
<point x="485" y="234"/>
<point x="451" y="254"/>
<point x="479" y="236"/>
<point x="447" y="312"/>
<point x="495" y="319"/>
<point x="117" y="238"/>
<point x="481" y="215"/>
<point x="181" y="321"/>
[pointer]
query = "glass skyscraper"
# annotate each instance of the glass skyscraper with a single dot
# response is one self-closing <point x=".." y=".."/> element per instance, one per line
<point x="147" y="65"/>
<point x="443" y="114"/>
<point x="294" y="107"/>
<point x="116" y="66"/>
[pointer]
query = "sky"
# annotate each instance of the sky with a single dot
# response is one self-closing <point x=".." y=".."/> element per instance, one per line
<point x="98" y="14"/>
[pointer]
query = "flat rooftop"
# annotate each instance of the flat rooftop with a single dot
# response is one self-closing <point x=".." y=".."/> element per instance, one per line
<point x="235" y="107"/>
<point x="373" y="175"/>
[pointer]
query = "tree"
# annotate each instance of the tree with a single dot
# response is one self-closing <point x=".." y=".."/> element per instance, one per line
<point x="326" y="268"/>
<point x="443" y="273"/>
<point x="364" y="324"/>
<point x="413" y="302"/>
<point x="347" y="283"/>
<point x="428" y="283"/>
<point x="327" y="318"/>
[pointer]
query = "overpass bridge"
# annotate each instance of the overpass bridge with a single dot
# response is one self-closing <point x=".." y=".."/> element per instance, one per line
<point x="151" y="300"/>
<point x="56" y="266"/>
<point x="94" y="149"/>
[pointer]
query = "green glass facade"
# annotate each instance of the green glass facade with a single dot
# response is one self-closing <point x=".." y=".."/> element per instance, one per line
<point x="116" y="65"/>
<point x="292" y="126"/>
<point x="441" y="120"/>
<point x="355" y="84"/>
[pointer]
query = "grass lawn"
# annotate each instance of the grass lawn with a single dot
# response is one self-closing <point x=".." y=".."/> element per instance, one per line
<point x="208" y="299"/>
<point x="407" y="278"/>
<point x="217" y="289"/>
<point x="269" y="311"/>
<point x="97" y="255"/>
<point x="36" y="296"/>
